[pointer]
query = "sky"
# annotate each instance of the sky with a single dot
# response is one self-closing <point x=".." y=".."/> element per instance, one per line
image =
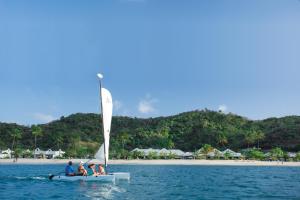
<point x="158" y="57"/>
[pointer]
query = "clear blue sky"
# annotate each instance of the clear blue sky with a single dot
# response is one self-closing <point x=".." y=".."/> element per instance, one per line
<point x="158" y="57"/>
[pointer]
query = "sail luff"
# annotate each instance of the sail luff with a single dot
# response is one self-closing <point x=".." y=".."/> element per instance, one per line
<point x="107" y="106"/>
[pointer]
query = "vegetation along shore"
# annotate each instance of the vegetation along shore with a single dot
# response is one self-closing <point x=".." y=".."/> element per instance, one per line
<point x="31" y="161"/>
<point x="78" y="135"/>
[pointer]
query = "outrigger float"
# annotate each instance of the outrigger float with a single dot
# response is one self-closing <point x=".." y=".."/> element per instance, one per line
<point x="103" y="152"/>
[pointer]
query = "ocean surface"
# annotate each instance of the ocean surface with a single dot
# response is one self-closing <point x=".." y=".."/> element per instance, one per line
<point x="155" y="182"/>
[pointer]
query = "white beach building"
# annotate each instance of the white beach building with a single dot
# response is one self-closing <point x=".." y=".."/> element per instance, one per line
<point x="58" y="153"/>
<point x="48" y="154"/>
<point x="6" y="153"/>
<point x="38" y="153"/>
<point x="188" y="155"/>
<point x="177" y="153"/>
<point x="215" y="153"/>
<point x="291" y="154"/>
<point x="231" y="154"/>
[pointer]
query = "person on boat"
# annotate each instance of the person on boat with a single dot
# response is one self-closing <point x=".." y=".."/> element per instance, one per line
<point x="101" y="170"/>
<point x="69" y="171"/>
<point x="81" y="170"/>
<point x="92" y="171"/>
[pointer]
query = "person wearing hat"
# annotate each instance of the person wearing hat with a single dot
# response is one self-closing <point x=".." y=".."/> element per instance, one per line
<point x="81" y="170"/>
<point x="92" y="171"/>
<point x="69" y="171"/>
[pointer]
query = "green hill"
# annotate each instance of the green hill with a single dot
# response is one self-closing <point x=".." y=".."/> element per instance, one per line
<point x="80" y="134"/>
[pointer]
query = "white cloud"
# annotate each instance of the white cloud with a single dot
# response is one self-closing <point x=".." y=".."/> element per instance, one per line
<point x="45" y="118"/>
<point x="117" y="105"/>
<point x="146" y="105"/>
<point x="223" y="108"/>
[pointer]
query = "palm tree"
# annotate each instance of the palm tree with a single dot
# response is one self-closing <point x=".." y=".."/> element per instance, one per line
<point x="207" y="148"/>
<point x="36" y="131"/>
<point x="259" y="136"/>
<point x="124" y="137"/>
<point x="222" y="139"/>
<point x="250" y="137"/>
<point x="15" y="134"/>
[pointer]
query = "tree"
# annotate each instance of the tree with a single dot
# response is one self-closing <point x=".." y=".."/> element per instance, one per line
<point x="59" y="139"/>
<point x="153" y="155"/>
<point x="250" y="137"/>
<point x="15" y="134"/>
<point x="207" y="148"/>
<point x="124" y="154"/>
<point x="255" y="154"/>
<point x="297" y="158"/>
<point x="36" y="131"/>
<point x="259" y="135"/>
<point x="277" y="153"/>
<point x="17" y="154"/>
<point x="227" y="155"/>
<point x="137" y="154"/>
<point x="171" y="155"/>
<point x="124" y="137"/>
<point x="222" y="139"/>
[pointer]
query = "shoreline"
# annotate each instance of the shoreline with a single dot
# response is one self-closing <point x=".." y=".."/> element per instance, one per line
<point x="28" y="161"/>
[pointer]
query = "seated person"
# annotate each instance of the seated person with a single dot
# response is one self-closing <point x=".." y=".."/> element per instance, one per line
<point x="69" y="171"/>
<point x="101" y="170"/>
<point x="81" y="170"/>
<point x="92" y="171"/>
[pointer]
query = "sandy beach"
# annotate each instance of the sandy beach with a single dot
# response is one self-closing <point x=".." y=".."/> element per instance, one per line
<point x="156" y="162"/>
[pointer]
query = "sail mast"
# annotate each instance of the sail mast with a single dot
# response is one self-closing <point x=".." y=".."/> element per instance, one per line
<point x="100" y="76"/>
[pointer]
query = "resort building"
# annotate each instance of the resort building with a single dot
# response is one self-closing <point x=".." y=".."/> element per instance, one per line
<point x="188" y="155"/>
<point x="164" y="153"/>
<point x="49" y="154"/>
<point x="291" y="154"/>
<point x="38" y="153"/>
<point x="6" y="153"/>
<point x="215" y="153"/>
<point x="231" y="154"/>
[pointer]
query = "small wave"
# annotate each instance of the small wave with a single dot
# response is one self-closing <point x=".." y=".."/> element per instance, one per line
<point x="19" y="177"/>
<point x="24" y="177"/>
<point x="38" y="178"/>
<point x="106" y="191"/>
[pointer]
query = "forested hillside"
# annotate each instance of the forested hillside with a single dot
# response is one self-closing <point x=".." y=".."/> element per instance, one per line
<point x="80" y="134"/>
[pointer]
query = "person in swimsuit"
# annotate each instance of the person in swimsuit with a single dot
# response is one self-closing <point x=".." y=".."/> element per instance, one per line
<point x="101" y="170"/>
<point x="81" y="170"/>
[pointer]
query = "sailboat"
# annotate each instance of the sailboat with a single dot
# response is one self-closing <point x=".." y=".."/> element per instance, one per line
<point x="102" y="154"/>
<point x="107" y="108"/>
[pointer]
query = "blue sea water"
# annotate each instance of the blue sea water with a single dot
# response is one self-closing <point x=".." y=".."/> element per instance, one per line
<point x="155" y="182"/>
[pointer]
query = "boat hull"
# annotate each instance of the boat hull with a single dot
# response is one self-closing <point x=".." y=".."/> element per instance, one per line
<point x="121" y="175"/>
<point x="102" y="178"/>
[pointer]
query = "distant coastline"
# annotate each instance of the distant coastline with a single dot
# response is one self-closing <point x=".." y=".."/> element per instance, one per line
<point x="156" y="162"/>
<point x="79" y="135"/>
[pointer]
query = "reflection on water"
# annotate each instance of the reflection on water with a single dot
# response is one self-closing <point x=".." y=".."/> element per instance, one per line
<point x="98" y="190"/>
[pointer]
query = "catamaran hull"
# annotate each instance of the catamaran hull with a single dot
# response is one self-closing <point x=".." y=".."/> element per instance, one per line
<point x="102" y="178"/>
<point x="121" y="175"/>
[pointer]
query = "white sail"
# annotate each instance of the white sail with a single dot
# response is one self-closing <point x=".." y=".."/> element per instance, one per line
<point x="107" y="107"/>
<point x="100" y="154"/>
